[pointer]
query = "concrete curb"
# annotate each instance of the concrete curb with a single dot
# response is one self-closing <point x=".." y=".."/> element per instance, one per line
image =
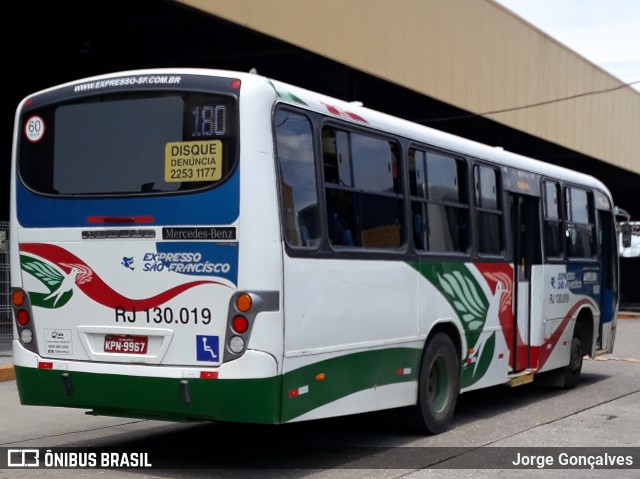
<point x="7" y="373"/>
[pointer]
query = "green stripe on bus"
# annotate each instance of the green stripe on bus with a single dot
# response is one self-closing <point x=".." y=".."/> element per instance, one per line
<point x="346" y="375"/>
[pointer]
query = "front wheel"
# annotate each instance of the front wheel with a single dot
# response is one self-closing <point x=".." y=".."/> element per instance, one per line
<point x="439" y="385"/>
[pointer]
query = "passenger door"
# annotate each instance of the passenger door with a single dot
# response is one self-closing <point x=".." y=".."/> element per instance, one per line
<point x="525" y="225"/>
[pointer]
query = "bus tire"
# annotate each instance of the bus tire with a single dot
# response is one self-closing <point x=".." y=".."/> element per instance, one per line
<point x="438" y="385"/>
<point x="571" y="372"/>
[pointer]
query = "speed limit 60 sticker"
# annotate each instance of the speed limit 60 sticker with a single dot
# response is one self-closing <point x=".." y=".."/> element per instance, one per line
<point x="34" y="129"/>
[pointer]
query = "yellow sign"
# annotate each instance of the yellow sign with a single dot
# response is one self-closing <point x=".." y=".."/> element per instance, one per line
<point x="193" y="161"/>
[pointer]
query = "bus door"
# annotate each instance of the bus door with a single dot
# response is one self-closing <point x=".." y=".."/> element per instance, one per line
<point x="525" y="230"/>
<point x="607" y="246"/>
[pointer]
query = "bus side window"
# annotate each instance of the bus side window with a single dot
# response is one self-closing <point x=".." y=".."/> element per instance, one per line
<point x="552" y="220"/>
<point x="337" y="176"/>
<point x="378" y="191"/>
<point x="362" y="190"/>
<point x="418" y="193"/>
<point x="439" y="205"/>
<point x="581" y="226"/>
<point x="488" y="212"/>
<point x="299" y="202"/>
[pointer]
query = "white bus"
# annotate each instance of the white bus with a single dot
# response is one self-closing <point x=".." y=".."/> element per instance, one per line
<point x="205" y="244"/>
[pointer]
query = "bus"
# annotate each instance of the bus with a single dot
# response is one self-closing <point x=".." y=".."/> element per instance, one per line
<point x="196" y="244"/>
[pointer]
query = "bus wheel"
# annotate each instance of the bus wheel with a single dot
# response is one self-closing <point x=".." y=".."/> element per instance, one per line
<point x="571" y="372"/>
<point x="438" y="386"/>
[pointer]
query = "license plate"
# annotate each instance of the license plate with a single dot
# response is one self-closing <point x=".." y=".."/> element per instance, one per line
<point x="126" y="344"/>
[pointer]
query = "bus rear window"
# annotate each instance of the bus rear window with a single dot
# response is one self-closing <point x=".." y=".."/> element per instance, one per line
<point x="127" y="145"/>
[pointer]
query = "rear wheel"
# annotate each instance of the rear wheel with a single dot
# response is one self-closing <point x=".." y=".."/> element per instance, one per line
<point x="571" y="372"/>
<point x="439" y="385"/>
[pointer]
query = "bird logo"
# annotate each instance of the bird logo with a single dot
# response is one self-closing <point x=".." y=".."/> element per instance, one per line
<point x="127" y="262"/>
<point x="59" y="283"/>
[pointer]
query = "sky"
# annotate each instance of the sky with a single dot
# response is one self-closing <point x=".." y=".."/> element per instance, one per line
<point x="605" y="32"/>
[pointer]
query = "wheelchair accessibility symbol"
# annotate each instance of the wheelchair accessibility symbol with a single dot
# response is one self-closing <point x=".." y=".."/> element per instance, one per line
<point x="207" y="348"/>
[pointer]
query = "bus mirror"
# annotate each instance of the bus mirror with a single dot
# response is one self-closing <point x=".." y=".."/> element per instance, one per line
<point x="625" y="230"/>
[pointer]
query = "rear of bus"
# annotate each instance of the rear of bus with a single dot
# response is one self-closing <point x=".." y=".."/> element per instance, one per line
<point x="127" y="290"/>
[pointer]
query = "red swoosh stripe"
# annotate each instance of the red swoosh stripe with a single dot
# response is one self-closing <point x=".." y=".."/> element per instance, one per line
<point x="97" y="289"/>
<point x="505" y="317"/>
<point x="544" y="351"/>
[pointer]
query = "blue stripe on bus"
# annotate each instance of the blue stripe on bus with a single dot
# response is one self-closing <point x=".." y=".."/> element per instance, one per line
<point x="587" y="280"/>
<point x="218" y="206"/>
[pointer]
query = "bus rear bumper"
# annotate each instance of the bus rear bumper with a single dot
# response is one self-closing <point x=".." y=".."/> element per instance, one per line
<point x="167" y="393"/>
<point x="172" y="399"/>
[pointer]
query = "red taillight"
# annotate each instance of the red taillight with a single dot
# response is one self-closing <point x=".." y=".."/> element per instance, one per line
<point x="240" y="324"/>
<point x="23" y="317"/>
<point x="235" y="84"/>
